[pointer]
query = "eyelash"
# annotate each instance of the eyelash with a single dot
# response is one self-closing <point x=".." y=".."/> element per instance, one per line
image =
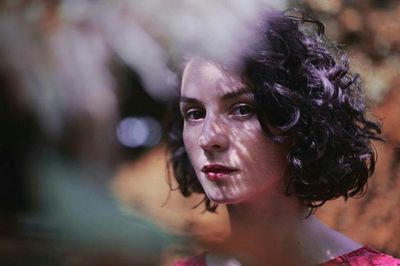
<point x="241" y="105"/>
<point x="193" y="111"/>
<point x="235" y="111"/>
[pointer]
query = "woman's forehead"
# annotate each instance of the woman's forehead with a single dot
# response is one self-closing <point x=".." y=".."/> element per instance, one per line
<point x="200" y="73"/>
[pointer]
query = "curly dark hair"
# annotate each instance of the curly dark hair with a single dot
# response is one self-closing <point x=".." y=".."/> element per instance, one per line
<point x="307" y="99"/>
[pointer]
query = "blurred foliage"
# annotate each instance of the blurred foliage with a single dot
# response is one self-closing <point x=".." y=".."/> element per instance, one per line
<point x="367" y="30"/>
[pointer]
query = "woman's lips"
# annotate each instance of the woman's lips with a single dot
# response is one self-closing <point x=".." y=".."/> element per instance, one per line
<point x="215" y="172"/>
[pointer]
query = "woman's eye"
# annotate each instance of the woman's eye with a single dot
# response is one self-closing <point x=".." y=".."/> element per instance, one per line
<point x="242" y="110"/>
<point x="194" y="114"/>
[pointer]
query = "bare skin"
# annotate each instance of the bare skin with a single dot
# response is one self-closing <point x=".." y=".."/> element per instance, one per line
<point x="267" y="226"/>
<point x="266" y="235"/>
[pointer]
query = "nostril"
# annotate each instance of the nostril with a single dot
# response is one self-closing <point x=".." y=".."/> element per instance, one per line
<point x="213" y="142"/>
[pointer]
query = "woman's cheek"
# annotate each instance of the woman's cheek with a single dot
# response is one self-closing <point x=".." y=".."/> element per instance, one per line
<point x="189" y="142"/>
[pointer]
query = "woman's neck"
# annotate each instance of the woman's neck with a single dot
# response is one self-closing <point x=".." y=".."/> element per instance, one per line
<point x="266" y="228"/>
<point x="275" y="231"/>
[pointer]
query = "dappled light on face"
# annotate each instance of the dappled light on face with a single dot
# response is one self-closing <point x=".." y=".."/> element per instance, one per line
<point x="221" y="134"/>
<point x="262" y="165"/>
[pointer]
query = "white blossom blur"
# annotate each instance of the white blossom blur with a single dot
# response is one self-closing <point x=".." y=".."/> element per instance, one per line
<point x="62" y="51"/>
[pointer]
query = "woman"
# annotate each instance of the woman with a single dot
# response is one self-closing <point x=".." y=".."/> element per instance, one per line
<point x="274" y="139"/>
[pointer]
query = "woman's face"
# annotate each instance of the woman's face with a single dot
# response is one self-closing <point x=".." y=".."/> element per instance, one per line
<point x="233" y="159"/>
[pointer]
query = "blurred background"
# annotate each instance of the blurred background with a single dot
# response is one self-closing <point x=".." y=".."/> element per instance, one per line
<point x="85" y="87"/>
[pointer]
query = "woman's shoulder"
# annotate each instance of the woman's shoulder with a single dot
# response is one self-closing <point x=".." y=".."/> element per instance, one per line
<point x="364" y="256"/>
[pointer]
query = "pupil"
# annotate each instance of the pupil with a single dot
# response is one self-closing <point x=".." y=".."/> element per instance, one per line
<point x="197" y="114"/>
<point x="243" y="110"/>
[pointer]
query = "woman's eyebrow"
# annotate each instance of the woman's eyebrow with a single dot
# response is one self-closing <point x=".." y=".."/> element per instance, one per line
<point x="236" y="93"/>
<point x="184" y="99"/>
<point x="227" y="96"/>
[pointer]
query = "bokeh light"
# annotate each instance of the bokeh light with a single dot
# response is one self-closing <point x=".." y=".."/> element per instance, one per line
<point x="139" y="131"/>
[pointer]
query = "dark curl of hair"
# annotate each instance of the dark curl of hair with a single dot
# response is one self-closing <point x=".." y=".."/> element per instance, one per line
<point x="308" y="99"/>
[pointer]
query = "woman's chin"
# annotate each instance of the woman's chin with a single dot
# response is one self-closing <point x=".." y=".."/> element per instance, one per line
<point x="226" y="199"/>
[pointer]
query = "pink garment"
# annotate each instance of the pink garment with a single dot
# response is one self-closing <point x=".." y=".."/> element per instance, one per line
<point x="364" y="256"/>
<point x="199" y="260"/>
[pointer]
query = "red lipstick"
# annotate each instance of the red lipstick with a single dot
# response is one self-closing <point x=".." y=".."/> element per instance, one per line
<point x="216" y="172"/>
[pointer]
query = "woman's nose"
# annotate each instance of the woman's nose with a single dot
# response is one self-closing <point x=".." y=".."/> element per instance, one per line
<point x="213" y="136"/>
